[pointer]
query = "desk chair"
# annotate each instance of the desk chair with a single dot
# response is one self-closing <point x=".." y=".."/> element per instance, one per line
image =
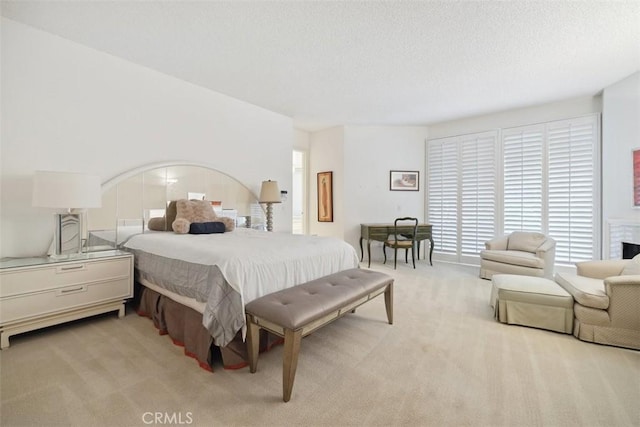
<point x="401" y="239"/>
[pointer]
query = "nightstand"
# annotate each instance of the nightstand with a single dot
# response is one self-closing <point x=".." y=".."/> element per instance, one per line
<point x="40" y="292"/>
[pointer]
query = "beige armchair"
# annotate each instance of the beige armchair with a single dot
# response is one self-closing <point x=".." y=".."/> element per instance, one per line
<point x="524" y="253"/>
<point x="607" y="301"/>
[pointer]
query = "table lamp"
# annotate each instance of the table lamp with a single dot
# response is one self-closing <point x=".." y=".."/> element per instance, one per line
<point x="270" y="194"/>
<point x="66" y="190"/>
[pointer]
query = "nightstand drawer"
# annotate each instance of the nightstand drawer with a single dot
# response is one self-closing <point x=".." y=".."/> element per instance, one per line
<point x="63" y="298"/>
<point x="41" y="278"/>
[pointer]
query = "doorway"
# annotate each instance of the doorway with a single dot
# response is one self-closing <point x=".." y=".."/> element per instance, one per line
<point x="299" y="193"/>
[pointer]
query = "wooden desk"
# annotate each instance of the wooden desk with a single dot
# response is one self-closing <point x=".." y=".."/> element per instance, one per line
<point x="380" y="232"/>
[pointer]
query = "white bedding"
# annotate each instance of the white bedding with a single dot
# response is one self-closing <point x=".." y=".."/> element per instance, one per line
<point x="254" y="263"/>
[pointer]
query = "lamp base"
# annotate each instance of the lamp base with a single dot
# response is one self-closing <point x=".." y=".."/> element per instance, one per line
<point x="269" y="216"/>
<point x="68" y="236"/>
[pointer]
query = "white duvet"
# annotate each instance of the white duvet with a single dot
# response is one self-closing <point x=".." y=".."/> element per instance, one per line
<point x="254" y="263"/>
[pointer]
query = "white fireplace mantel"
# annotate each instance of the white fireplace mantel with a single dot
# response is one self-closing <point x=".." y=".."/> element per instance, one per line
<point x="620" y="230"/>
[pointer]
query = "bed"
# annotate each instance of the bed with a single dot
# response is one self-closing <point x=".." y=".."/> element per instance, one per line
<point x="194" y="286"/>
<point x="217" y="274"/>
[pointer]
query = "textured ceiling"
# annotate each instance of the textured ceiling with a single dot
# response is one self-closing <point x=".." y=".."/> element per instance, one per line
<point x="382" y="63"/>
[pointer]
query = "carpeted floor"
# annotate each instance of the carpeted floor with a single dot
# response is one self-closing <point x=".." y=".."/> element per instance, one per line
<point x="444" y="362"/>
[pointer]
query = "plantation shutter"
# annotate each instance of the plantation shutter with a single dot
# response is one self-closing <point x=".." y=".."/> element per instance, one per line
<point x="572" y="184"/>
<point x="523" y="178"/>
<point x="442" y="191"/>
<point x="478" y="188"/>
<point x="540" y="177"/>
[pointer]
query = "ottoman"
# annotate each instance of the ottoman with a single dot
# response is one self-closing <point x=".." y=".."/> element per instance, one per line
<point x="532" y="301"/>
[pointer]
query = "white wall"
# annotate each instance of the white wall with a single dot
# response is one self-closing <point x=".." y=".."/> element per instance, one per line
<point x="300" y="140"/>
<point x="522" y="116"/>
<point x="326" y="154"/>
<point x="370" y="153"/>
<point x="66" y="107"/>
<point x="361" y="158"/>
<point x="620" y="135"/>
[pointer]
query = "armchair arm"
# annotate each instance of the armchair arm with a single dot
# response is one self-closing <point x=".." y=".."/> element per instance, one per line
<point x="601" y="269"/>
<point x="547" y="251"/>
<point x="547" y="246"/>
<point x="624" y="293"/>
<point x="497" y="243"/>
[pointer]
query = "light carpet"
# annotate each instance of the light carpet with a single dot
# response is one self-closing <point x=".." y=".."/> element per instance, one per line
<point x="444" y="362"/>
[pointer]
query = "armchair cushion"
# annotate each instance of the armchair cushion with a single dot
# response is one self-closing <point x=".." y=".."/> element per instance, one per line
<point x="600" y="269"/>
<point x="525" y="241"/>
<point x="526" y="259"/>
<point x="587" y="291"/>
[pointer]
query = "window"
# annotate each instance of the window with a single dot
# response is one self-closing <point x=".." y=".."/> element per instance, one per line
<point x="478" y="190"/>
<point x="572" y="190"/>
<point x="461" y="188"/>
<point x="442" y="188"/>
<point x="523" y="179"/>
<point x="539" y="178"/>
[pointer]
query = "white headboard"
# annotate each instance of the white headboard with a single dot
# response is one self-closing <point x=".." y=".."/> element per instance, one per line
<point x="130" y="199"/>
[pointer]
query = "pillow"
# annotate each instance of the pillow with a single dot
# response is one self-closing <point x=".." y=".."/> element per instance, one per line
<point x="170" y="214"/>
<point x="229" y="223"/>
<point x="188" y="211"/>
<point x="157" y="224"/>
<point x="165" y="223"/>
<point x="181" y="226"/>
<point x="525" y="241"/>
<point x="632" y="267"/>
<point x="206" y="227"/>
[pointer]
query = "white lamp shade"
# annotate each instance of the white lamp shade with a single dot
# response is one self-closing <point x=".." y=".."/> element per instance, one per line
<point x="65" y="190"/>
<point x="270" y="193"/>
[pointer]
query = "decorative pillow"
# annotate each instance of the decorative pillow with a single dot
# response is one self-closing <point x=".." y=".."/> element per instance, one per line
<point x="157" y="224"/>
<point x="188" y="211"/>
<point x="181" y="226"/>
<point x="525" y="241"/>
<point x="632" y="267"/>
<point x="229" y="223"/>
<point x="206" y="227"/>
<point x="170" y="214"/>
<point x="165" y="223"/>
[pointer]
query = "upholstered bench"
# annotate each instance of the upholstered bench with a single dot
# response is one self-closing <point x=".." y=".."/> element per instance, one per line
<point x="296" y="312"/>
<point x="532" y="301"/>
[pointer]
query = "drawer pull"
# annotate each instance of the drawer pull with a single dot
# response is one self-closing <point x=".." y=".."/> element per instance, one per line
<point x="68" y="291"/>
<point x="72" y="268"/>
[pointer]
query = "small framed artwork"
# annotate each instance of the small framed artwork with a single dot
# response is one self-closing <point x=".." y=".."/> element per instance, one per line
<point x="404" y="181"/>
<point x="636" y="178"/>
<point x="325" y="196"/>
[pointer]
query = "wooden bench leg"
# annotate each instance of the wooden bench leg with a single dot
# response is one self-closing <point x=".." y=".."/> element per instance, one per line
<point x="290" y="361"/>
<point x="388" y="302"/>
<point x="253" y="344"/>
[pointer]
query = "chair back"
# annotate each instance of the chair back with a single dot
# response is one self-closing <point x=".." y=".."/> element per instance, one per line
<point x="400" y="228"/>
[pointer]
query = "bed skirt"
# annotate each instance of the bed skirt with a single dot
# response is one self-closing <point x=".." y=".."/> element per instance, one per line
<point x="184" y="327"/>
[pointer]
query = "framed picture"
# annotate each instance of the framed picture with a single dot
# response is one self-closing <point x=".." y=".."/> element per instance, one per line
<point x="325" y="196"/>
<point x="404" y="181"/>
<point x="636" y="178"/>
